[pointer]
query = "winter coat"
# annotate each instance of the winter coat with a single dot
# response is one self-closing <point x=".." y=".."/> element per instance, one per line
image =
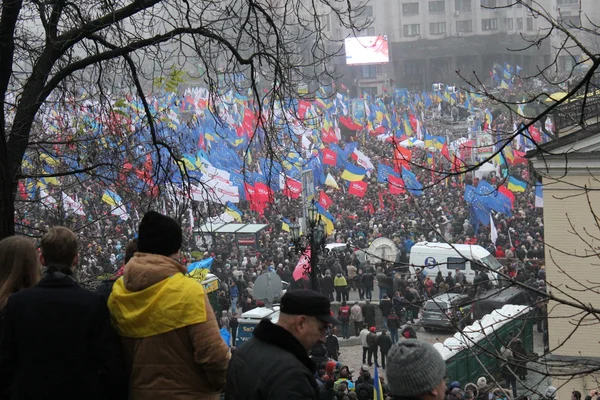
<point x="169" y="332"/>
<point x="384" y="342"/>
<point x="393" y="322"/>
<point x="327" y="285"/>
<point x="271" y="365"/>
<point x="372" y="339"/>
<point x="58" y="343"/>
<point x="340" y="281"/>
<point x="363" y="337"/>
<point x="368" y="311"/>
<point x="385" y="306"/>
<point x="356" y="314"/>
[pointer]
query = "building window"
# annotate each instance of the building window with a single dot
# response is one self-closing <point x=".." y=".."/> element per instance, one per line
<point x="490" y="24"/>
<point x="519" y="24"/>
<point x="371" y="31"/>
<point x="369" y="71"/>
<point x="508" y="23"/>
<point x="464" y="26"/>
<point x="488" y="3"/>
<point x="437" y="6"/>
<point x="561" y="2"/>
<point x="570" y="21"/>
<point x="529" y="24"/>
<point x="437" y="28"/>
<point x="411" y="68"/>
<point x="412" y="30"/>
<point x="410" y="8"/>
<point x="367" y="12"/>
<point x="462" y="5"/>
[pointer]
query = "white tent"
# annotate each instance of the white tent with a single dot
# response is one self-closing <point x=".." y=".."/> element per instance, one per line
<point x="485" y="170"/>
<point x="412" y="142"/>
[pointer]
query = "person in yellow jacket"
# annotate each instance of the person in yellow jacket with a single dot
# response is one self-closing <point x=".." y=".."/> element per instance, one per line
<point x="168" y="328"/>
<point x="341" y="287"/>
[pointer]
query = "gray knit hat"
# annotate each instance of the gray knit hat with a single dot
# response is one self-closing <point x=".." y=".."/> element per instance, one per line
<point x="414" y="367"/>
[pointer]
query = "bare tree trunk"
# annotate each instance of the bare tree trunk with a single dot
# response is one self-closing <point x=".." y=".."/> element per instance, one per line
<point x="7" y="207"/>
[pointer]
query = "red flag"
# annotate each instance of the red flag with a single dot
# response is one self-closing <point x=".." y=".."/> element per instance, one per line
<point x="358" y="188"/>
<point x="413" y="121"/>
<point x="303" y="106"/>
<point x="22" y="190"/>
<point x="328" y="136"/>
<point x="396" y="185"/>
<point x="445" y="152"/>
<point x="292" y="189"/>
<point x="371" y="209"/>
<point x="535" y="134"/>
<point x="348" y="123"/>
<point x="402" y="157"/>
<point x="250" y="192"/>
<point x="324" y="200"/>
<point x="329" y="157"/>
<point x="504" y="190"/>
<point x="263" y="193"/>
<point x="381" y="202"/>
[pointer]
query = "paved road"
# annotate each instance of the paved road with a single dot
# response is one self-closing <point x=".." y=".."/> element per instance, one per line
<point x="352" y="355"/>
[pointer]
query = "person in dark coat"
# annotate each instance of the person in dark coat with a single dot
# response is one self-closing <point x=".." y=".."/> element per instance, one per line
<point x="386" y="306"/>
<point x="384" y="342"/>
<point x="274" y="363"/>
<point x="368" y="311"/>
<point x="327" y="286"/>
<point x="367" y="283"/>
<point x="233" y="324"/>
<point x="365" y="390"/>
<point x="57" y="338"/>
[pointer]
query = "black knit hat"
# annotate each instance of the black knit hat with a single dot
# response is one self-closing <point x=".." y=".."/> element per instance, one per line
<point x="159" y="234"/>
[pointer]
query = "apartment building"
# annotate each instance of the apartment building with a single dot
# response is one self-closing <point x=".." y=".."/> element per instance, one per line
<point x="430" y="40"/>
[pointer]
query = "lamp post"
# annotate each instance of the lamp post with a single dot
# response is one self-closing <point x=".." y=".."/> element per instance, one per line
<point x="314" y="239"/>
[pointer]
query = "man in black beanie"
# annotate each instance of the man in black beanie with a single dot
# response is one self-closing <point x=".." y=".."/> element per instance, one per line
<point x="167" y="325"/>
<point x="159" y="234"/>
<point x="416" y="370"/>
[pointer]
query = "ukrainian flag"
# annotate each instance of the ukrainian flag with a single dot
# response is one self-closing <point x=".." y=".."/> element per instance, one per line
<point x="111" y="198"/>
<point x="352" y="173"/>
<point x="49" y="160"/>
<point x="327" y="218"/>
<point x="428" y="141"/>
<point x="439" y="142"/>
<point x="233" y="211"/>
<point x="378" y="393"/>
<point x="285" y="224"/>
<point x="515" y="185"/>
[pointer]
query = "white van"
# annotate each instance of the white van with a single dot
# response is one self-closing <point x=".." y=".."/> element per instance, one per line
<point x="444" y="257"/>
<point x="249" y="320"/>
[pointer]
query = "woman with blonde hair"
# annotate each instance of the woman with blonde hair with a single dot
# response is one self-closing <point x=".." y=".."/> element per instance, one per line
<point x="19" y="267"/>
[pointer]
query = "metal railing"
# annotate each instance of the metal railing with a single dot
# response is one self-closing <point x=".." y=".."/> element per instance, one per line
<point x="570" y="114"/>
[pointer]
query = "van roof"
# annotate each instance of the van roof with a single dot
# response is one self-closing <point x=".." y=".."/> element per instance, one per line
<point x="331" y="246"/>
<point x="260" y="312"/>
<point x="446" y="297"/>
<point x="467" y="250"/>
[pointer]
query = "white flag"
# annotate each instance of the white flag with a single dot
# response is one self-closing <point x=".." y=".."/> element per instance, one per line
<point x="494" y="232"/>
<point x="72" y="204"/>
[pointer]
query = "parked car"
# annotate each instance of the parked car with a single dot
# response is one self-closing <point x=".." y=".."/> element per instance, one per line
<point x="445" y="311"/>
<point x="497" y="298"/>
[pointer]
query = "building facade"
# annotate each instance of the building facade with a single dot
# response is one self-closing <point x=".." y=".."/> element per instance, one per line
<point x="570" y="169"/>
<point x="431" y="40"/>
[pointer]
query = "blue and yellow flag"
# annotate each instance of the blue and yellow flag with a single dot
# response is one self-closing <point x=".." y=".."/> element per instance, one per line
<point x="515" y="185"/>
<point x="352" y="173"/>
<point x="233" y="211"/>
<point x="378" y="392"/>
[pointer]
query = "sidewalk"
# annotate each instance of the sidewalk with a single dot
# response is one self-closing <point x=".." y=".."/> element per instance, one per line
<point x="535" y="382"/>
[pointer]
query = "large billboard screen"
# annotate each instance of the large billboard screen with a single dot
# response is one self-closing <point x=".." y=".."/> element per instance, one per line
<point x="367" y="50"/>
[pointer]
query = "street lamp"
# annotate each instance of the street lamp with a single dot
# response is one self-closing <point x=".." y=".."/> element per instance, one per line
<point x="314" y="239"/>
